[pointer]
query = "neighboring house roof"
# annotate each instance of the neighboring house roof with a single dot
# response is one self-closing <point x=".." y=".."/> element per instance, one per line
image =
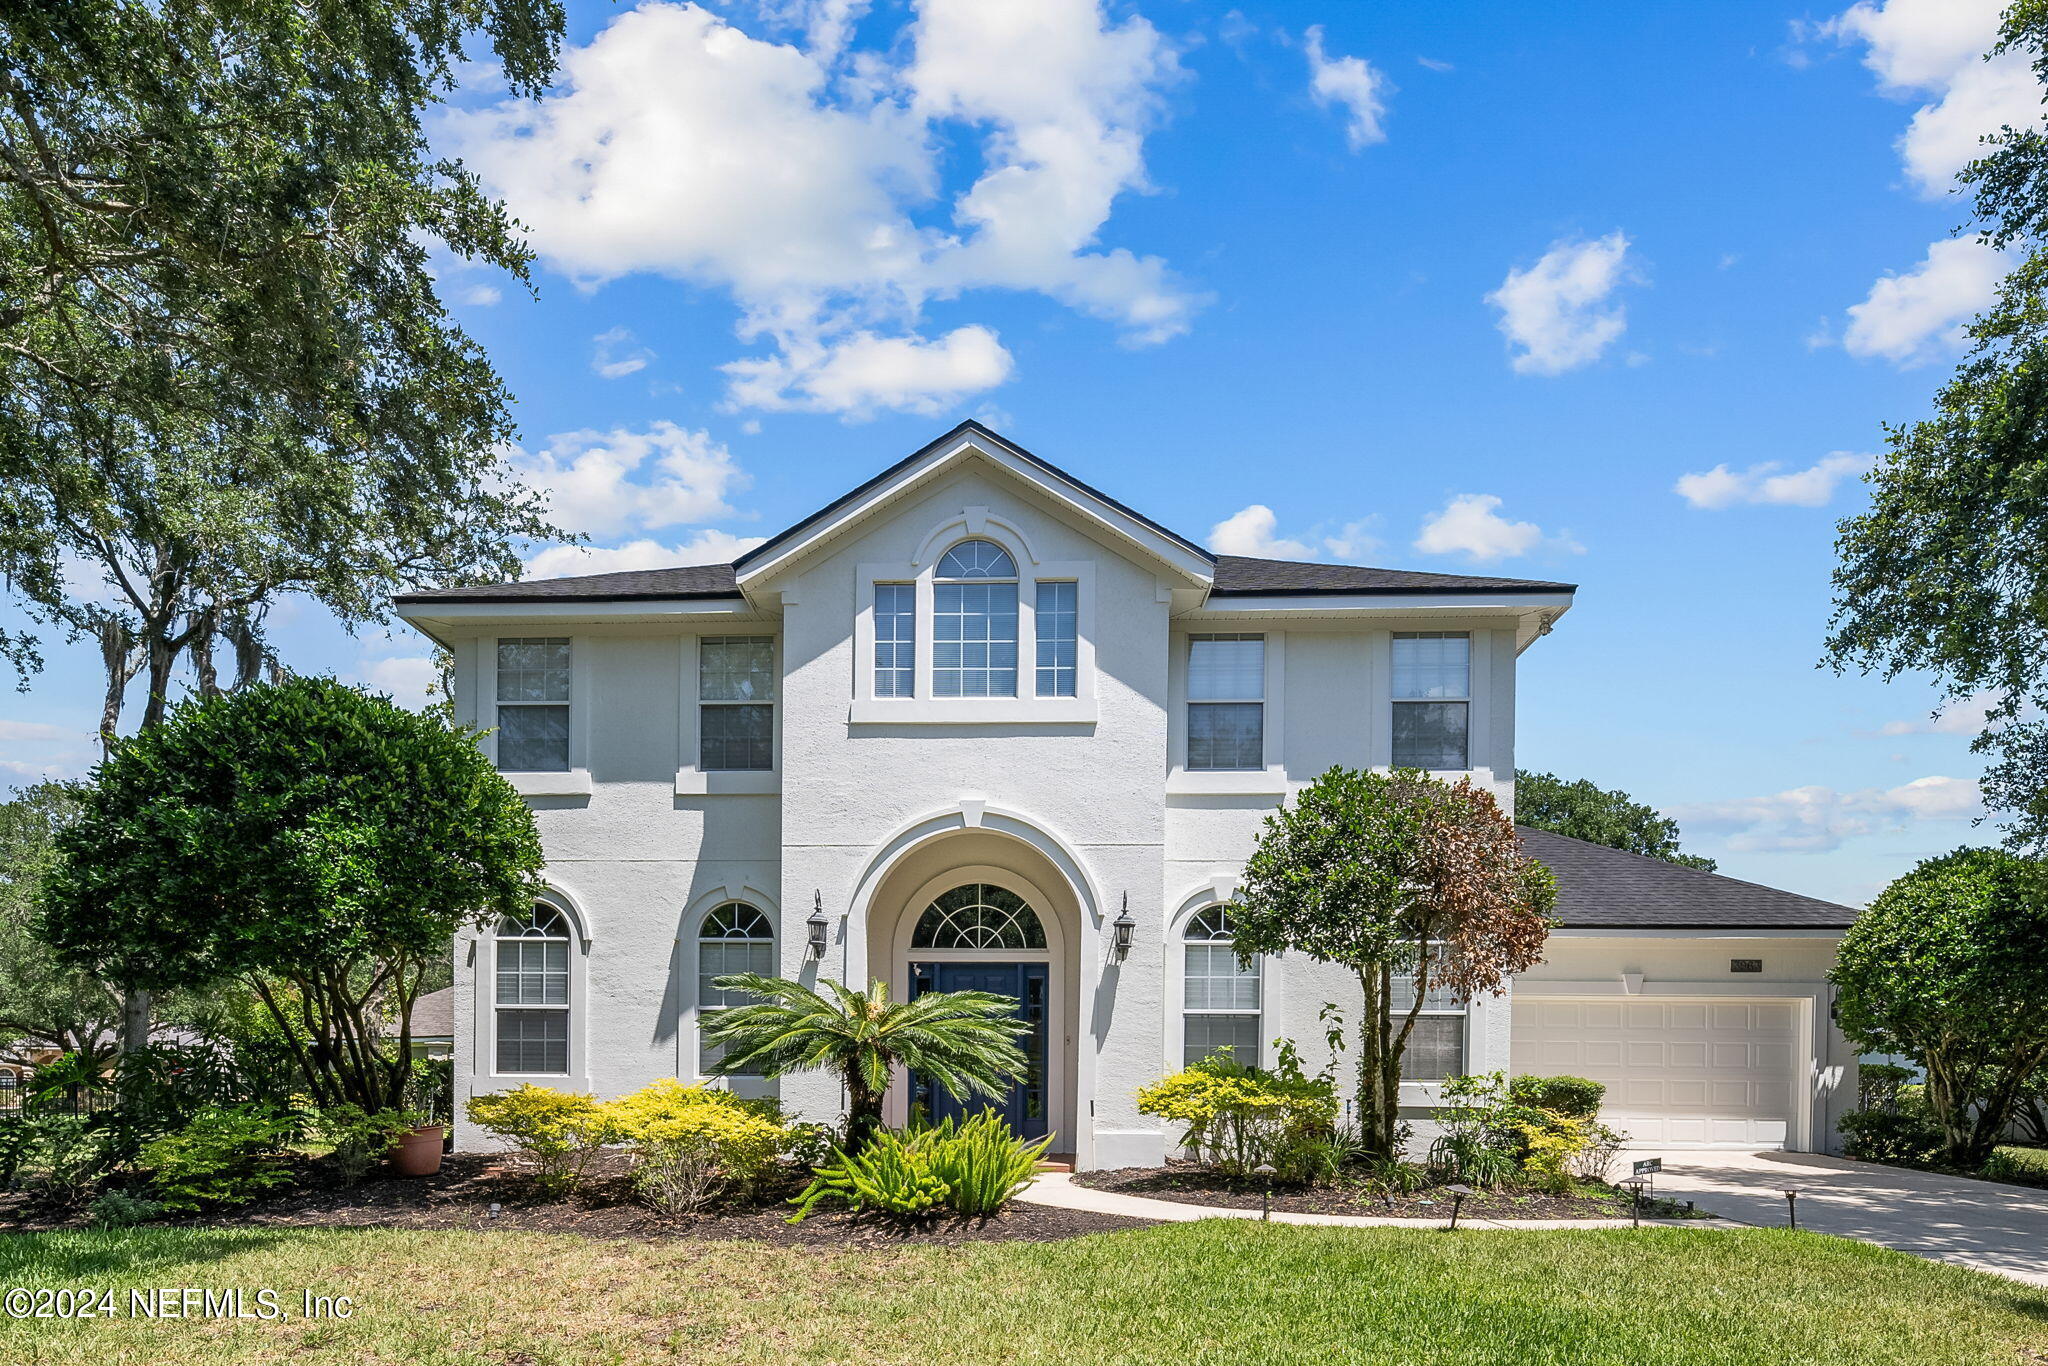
<point x="1233" y="575"/>
<point x="1603" y="888"/>
<point x="433" y="1015"/>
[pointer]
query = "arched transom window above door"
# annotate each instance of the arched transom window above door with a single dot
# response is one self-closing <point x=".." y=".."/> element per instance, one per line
<point x="978" y="916"/>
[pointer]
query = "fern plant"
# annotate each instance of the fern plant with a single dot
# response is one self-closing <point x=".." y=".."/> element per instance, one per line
<point x="889" y="1176"/>
<point x="964" y="1042"/>
<point x="982" y="1161"/>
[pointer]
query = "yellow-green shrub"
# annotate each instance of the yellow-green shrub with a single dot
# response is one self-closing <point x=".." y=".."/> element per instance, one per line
<point x="556" y="1131"/>
<point x="1238" y="1117"/>
<point x="692" y="1144"/>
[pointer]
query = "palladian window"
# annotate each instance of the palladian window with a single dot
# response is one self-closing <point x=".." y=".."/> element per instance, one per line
<point x="1220" y="995"/>
<point x="734" y="938"/>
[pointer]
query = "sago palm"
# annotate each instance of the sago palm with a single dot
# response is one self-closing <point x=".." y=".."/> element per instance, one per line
<point x="965" y="1042"/>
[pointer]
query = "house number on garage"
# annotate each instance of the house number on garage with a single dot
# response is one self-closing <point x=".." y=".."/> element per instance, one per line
<point x="1745" y="965"/>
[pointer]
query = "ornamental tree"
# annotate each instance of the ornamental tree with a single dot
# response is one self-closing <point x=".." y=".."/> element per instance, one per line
<point x="1949" y="966"/>
<point x="1395" y="875"/>
<point x="320" y="843"/>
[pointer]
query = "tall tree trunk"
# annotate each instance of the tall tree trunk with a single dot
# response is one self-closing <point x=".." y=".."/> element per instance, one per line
<point x="135" y="1008"/>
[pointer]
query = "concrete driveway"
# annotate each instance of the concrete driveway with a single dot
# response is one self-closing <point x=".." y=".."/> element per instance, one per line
<point x="1982" y="1224"/>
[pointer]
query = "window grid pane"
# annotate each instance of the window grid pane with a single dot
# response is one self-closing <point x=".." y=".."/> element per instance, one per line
<point x="1058" y="639"/>
<point x="1226" y="735"/>
<point x="1432" y="665"/>
<point x="533" y="739"/>
<point x="1207" y="1033"/>
<point x="1215" y="981"/>
<point x="736" y="669"/>
<point x="1436" y="1049"/>
<point x="533" y="1041"/>
<point x="533" y="972"/>
<point x="1226" y="668"/>
<point x="735" y="737"/>
<point x="1431" y="735"/>
<point x="974" y="640"/>
<point x="895" y="639"/>
<point x="533" y="670"/>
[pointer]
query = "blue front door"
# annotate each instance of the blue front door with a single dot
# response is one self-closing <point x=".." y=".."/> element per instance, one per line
<point x="1025" y="1105"/>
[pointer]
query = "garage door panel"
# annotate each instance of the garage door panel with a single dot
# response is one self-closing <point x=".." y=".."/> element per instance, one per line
<point x="1678" y="1073"/>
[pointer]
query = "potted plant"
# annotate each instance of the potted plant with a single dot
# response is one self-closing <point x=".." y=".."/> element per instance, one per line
<point x="417" y="1151"/>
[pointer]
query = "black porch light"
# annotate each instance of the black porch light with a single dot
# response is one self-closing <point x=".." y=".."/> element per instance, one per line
<point x="1125" y="926"/>
<point x="817" y="925"/>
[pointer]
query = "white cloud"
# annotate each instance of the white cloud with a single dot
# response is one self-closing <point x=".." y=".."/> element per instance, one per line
<point x="1812" y="487"/>
<point x="1253" y="531"/>
<point x="863" y="372"/>
<point x="35" y="730"/>
<point x="1432" y="64"/>
<point x="615" y="356"/>
<point x="1352" y="84"/>
<point x="1966" y="716"/>
<point x="606" y="483"/>
<point x="1914" y="318"/>
<point x="1816" y="819"/>
<point x="679" y="145"/>
<point x="1469" y="525"/>
<point x="706" y="547"/>
<point x="479" y="296"/>
<point x="412" y="680"/>
<point x="1936" y="48"/>
<point x="1556" y="314"/>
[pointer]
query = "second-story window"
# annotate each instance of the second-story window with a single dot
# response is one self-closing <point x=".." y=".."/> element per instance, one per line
<point x="895" y="639"/>
<point x="974" y="622"/>
<point x="1432" y="699"/>
<point x="1058" y="631"/>
<point x="1227" y="701"/>
<point x="533" y="705"/>
<point x="736" y="702"/>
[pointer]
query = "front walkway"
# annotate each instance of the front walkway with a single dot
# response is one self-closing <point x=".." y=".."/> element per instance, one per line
<point x="1983" y="1224"/>
<point x="1058" y="1188"/>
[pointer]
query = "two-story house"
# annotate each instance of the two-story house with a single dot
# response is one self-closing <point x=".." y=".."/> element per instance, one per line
<point x="977" y="724"/>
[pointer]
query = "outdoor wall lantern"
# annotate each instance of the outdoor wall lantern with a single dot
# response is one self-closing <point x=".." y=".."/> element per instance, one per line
<point x="817" y="925"/>
<point x="1124" y="925"/>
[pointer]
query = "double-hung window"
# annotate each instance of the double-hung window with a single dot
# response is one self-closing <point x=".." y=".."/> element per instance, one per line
<point x="1226" y="701"/>
<point x="1432" y="699"/>
<point x="1057" y="624"/>
<point x="533" y="705"/>
<point x="533" y="992"/>
<point x="895" y="640"/>
<point x="736" y="703"/>
<point x="1219" y="994"/>
<point x="974" y="622"/>
<point x="1436" y="1048"/>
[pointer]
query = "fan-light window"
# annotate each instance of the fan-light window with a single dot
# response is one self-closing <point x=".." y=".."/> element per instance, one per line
<point x="978" y="916"/>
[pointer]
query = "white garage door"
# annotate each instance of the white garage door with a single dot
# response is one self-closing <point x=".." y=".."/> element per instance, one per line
<point x="1679" y="1074"/>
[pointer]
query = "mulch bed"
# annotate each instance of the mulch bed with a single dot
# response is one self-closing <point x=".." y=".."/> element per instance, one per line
<point x="486" y="1193"/>
<point x="1190" y="1183"/>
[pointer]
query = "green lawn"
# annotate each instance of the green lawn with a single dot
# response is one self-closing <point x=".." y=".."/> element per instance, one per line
<point x="1232" y="1293"/>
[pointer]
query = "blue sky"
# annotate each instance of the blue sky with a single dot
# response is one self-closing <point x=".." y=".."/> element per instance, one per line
<point x="1618" y="293"/>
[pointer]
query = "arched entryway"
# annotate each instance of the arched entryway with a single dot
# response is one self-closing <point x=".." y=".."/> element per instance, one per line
<point x="973" y="909"/>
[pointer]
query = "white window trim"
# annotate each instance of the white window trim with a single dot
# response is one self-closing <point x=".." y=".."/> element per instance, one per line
<point x="575" y="780"/>
<point x="1268" y="781"/>
<point x="486" y="1076"/>
<point x="1026" y="708"/>
<point x="692" y="781"/>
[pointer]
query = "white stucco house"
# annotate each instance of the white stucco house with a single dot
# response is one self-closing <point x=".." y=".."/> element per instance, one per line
<point x="975" y="723"/>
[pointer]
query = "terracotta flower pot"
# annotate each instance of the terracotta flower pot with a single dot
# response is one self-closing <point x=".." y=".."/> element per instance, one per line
<point x="419" y="1152"/>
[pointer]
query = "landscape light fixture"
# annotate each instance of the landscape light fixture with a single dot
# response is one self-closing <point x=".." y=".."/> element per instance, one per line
<point x="1635" y="1205"/>
<point x="1266" y="1170"/>
<point x="1792" y="1210"/>
<point x="1124" y="925"/>
<point x="1459" y="1190"/>
<point x="817" y="924"/>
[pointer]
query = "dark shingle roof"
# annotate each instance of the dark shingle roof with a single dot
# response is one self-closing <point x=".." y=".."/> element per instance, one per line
<point x="1240" y="574"/>
<point x="631" y="585"/>
<point x="1603" y="888"/>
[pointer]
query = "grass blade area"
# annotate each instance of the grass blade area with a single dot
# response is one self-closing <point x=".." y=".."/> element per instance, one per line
<point x="1211" y="1292"/>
